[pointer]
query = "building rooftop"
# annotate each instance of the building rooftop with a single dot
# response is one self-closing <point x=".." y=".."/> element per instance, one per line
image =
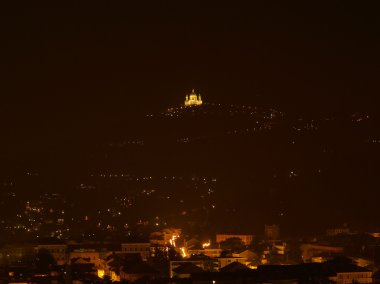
<point x="234" y="266"/>
<point x="188" y="268"/>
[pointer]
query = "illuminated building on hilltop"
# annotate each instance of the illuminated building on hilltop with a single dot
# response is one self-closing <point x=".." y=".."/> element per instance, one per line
<point x="193" y="99"/>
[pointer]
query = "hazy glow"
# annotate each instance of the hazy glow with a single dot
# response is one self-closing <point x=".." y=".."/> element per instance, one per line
<point x="206" y="245"/>
<point x="101" y="273"/>
<point x="183" y="252"/>
<point x="172" y="240"/>
<point x="193" y="99"/>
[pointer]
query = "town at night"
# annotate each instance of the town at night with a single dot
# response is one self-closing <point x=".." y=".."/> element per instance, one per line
<point x="190" y="143"/>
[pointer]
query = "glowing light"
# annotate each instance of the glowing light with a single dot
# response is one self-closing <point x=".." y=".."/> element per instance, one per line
<point x="183" y="252"/>
<point x="101" y="273"/>
<point x="193" y="99"/>
<point x="172" y="240"/>
<point x="206" y="245"/>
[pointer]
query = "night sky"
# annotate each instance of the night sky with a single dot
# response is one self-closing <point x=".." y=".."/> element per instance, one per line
<point x="73" y="70"/>
<point x="74" y="77"/>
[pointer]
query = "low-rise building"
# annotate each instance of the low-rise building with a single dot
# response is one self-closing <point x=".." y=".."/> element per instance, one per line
<point x="346" y="272"/>
<point x="185" y="264"/>
<point x="224" y="261"/>
<point x="249" y="255"/>
<point x="91" y="255"/>
<point x="210" y="252"/>
<point x="337" y="231"/>
<point x="186" y="269"/>
<point x="142" y="248"/>
<point x="312" y="250"/>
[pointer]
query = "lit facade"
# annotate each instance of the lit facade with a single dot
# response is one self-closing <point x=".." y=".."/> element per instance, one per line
<point x="337" y="231"/>
<point x="142" y="248"/>
<point x="349" y="277"/>
<point x="224" y="261"/>
<point x="210" y="252"/>
<point x="193" y="99"/>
